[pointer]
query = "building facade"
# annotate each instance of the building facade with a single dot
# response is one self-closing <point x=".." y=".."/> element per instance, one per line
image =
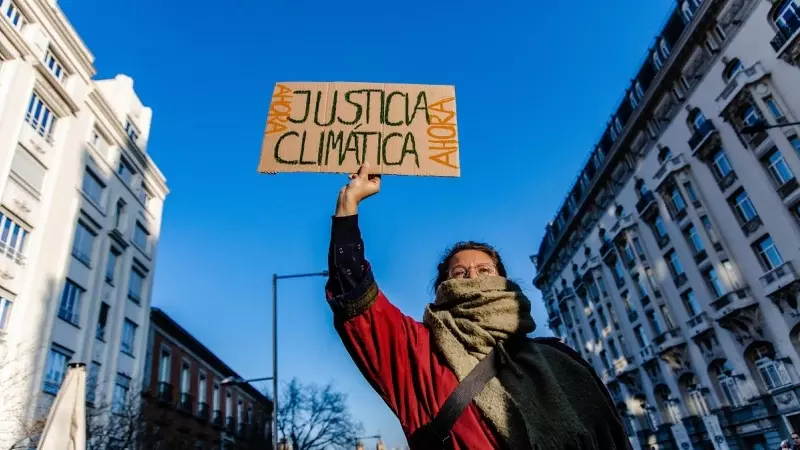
<point x="188" y="404"/>
<point x="670" y="264"/>
<point x="80" y="206"/>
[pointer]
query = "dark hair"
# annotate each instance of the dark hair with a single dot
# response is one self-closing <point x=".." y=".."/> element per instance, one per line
<point x="442" y="270"/>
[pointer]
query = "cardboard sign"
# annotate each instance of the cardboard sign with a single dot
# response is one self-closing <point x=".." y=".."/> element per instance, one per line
<point x="400" y="129"/>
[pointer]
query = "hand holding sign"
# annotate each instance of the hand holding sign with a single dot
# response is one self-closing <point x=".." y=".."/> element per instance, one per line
<point x="362" y="185"/>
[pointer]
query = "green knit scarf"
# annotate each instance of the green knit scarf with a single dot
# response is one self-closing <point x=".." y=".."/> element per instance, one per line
<point x="544" y="400"/>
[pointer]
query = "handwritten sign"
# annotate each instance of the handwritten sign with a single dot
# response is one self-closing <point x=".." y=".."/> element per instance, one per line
<point x="400" y="129"/>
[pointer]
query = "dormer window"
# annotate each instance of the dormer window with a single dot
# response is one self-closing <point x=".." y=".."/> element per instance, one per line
<point x="664" y="48"/>
<point x="14" y="15"/>
<point x="687" y="11"/>
<point x="657" y="61"/>
<point x="735" y="66"/>
<point x="131" y="131"/>
<point x="53" y="64"/>
<point x="696" y="119"/>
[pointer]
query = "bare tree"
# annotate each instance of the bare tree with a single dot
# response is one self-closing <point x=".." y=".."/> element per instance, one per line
<point x="117" y="425"/>
<point x="313" y="417"/>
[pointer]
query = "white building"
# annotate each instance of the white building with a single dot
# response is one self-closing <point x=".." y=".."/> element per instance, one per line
<point x="673" y="265"/>
<point x="80" y="214"/>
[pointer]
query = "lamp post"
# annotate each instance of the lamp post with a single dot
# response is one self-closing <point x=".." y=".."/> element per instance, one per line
<point x="761" y="126"/>
<point x="275" y="278"/>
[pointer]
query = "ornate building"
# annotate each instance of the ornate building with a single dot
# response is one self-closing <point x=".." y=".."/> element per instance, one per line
<point x="670" y="264"/>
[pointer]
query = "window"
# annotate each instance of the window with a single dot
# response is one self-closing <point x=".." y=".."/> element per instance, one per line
<point x="716" y="285"/>
<point x="719" y="33"/>
<point x="93" y="187"/>
<point x="795" y="141"/>
<point x="28" y="169"/>
<point x="768" y="253"/>
<point x="686" y="9"/>
<point x="5" y="313"/>
<point x="720" y="166"/>
<point x="690" y="192"/>
<point x="637" y="88"/>
<point x="743" y="207"/>
<point x="778" y="169"/>
<point x="240" y="412"/>
<point x="685" y="83"/>
<point x="121" y="389"/>
<point x="57" y="361"/>
<point x="690" y="303"/>
<point x="604" y="359"/>
<point x="750" y="116"/>
<point x="651" y="278"/>
<point x="141" y="236"/>
<point x="732" y="69"/>
<point x="595" y="332"/>
<point x="54" y="66"/>
<point x="144" y="197"/>
<point x="71" y="300"/>
<point x="215" y="397"/>
<point x="786" y="17"/>
<point x="12" y="239"/>
<point x="677" y="200"/>
<point x="164" y="366"/>
<point x="674" y="263"/>
<point x="185" y="377"/>
<point x="733" y="278"/>
<point x="125" y="170"/>
<point x="660" y="228"/>
<point x="629" y="255"/>
<point x="641" y="287"/>
<point x="202" y="385"/>
<point x="131" y="131"/>
<point x="40" y="117"/>
<point x="774" y="109"/>
<point x="667" y="315"/>
<point x="697" y="120"/>
<point x="602" y="283"/>
<point x="638" y="246"/>
<point x="773" y="373"/>
<point x="694" y="239"/>
<point x="619" y="272"/>
<point x="128" y="337"/>
<point x="712" y="235"/>
<point x="728" y="384"/>
<point x="102" y="321"/>
<point x="83" y="244"/>
<point x="111" y="265"/>
<point x="603" y="318"/>
<point x="136" y="285"/>
<point x="641" y="338"/>
<point x="654" y="323"/>
<point x="698" y="402"/>
<point x="91" y="382"/>
<point x="119" y="215"/>
<point x="228" y="405"/>
<point x="664" y="47"/>
<point x="14" y="15"/>
<point x="613" y="348"/>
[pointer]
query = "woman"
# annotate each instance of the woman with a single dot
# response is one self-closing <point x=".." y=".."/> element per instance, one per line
<point x="546" y="398"/>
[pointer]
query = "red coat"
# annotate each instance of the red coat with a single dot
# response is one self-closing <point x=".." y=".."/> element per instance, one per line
<point x="394" y="353"/>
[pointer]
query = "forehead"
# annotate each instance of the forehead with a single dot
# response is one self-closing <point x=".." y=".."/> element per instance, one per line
<point x="467" y="257"/>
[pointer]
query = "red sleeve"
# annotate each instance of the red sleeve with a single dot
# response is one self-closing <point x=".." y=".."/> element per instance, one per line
<point x="392" y="351"/>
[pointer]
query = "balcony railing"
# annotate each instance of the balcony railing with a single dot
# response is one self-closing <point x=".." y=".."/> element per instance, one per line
<point x="646" y="205"/>
<point x="230" y="425"/>
<point x="164" y="392"/>
<point x="216" y="418"/>
<point x="752" y="225"/>
<point x="701" y="134"/>
<point x="187" y="402"/>
<point x="785" y="32"/>
<point x="699" y="323"/>
<point x="779" y="277"/>
<point x="202" y="411"/>
<point x="668" y="167"/>
<point x="727" y="181"/>
<point x="787" y="188"/>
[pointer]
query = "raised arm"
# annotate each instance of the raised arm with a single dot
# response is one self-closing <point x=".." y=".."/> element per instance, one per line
<point x="391" y="350"/>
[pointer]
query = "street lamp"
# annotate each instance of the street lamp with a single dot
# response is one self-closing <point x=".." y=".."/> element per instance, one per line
<point x="761" y="126"/>
<point x="237" y="380"/>
<point x="275" y="278"/>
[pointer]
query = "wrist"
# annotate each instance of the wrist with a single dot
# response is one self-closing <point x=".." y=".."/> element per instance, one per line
<point x="346" y="206"/>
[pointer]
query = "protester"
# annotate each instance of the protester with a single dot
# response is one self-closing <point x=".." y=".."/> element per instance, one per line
<point x="785" y="445"/>
<point x="795" y="441"/>
<point x="547" y="397"/>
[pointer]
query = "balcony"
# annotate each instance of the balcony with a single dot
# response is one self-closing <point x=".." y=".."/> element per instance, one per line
<point x="669" y="167"/>
<point x="667" y="340"/>
<point x="203" y="411"/>
<point x="788" y="188"/>
<point x="164" y="393"/>
<point x="680" y="280"/>
<point x="646" y="206"/>
<point x="187" y="402"/>
<point x="732" y="302"/>
<point x="646" y="354"/>
<point x="727" y="181"/>
<point x="751" y="226"/>
<point x="705" y="140"/>
<point x="786" y="34"/>
<point x="778" y="278"/>
<point x="216" y="419"/>
<point x="608" y="253"/>
<point x="698" y="324"/>
<point x="230" y="425"/>
<point x="739" y="81"/>
<point x="700" y="256"/>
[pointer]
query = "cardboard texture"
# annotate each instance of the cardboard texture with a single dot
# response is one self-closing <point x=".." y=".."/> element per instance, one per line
<point x="400" y="129"/>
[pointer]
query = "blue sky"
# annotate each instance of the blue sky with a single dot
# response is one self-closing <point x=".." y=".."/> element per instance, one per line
<point x="535" y="83"/>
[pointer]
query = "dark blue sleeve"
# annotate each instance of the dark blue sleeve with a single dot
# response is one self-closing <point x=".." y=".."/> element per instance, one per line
<point x="347" y="266"/>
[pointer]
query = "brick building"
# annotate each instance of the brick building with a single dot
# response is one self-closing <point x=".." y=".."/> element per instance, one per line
<point x="187" y="405"/>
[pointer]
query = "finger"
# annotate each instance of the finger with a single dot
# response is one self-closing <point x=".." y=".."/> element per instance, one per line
<point x="363" y="171"/>
<point x="352" y="176"/>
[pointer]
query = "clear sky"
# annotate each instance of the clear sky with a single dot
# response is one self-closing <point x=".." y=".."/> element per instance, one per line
<point x="535" y="84"/>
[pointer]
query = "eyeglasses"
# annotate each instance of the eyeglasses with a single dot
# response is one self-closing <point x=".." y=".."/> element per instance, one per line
<point x="481" y="270"/>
